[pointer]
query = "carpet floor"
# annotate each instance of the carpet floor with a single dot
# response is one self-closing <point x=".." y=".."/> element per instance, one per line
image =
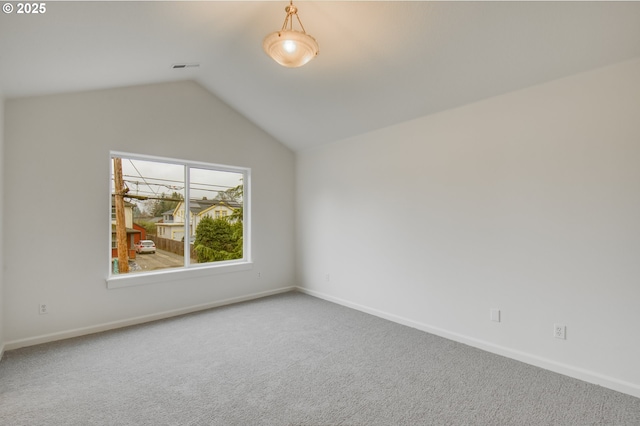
<point x="289" y="359"/>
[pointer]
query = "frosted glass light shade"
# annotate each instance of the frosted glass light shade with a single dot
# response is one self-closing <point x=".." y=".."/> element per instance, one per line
<point x="290" y="48"/>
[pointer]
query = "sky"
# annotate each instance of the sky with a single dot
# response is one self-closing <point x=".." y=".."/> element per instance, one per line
<point x="152" y="178"/>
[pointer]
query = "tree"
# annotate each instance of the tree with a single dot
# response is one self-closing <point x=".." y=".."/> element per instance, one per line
<point x="234" y="194"/>
<point x="217" y="239"/>
<point x="222" y="239"/>
<point x="165" y="203"/>
<point x="150" y="227"/>
<point x="136" y="211"/>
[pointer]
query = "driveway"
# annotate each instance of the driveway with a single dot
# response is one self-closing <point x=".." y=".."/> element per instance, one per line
<point x="159" y="260"/>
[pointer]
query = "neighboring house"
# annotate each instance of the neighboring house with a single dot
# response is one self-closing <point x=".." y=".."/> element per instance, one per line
<point x="167" y="228"/>
<point x="134" y="232"/>
<point x="167" y="217"/>
<point x="198" y="209"/>
<point x="128" y="213"/>
<point x="142" y="235"/>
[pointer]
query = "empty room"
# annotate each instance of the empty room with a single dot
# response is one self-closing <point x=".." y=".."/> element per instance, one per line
<point x="320" y="213"/>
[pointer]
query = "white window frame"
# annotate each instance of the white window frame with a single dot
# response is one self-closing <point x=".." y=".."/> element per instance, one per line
<point x="188" y="270"/>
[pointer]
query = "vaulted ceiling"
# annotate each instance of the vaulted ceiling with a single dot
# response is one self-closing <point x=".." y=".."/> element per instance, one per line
<point x="380" y="62"/>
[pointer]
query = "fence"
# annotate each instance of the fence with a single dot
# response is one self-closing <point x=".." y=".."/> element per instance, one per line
<point x="172" y="246"/>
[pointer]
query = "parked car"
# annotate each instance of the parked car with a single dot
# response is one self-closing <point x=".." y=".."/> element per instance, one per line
<point x="146" y="246"/>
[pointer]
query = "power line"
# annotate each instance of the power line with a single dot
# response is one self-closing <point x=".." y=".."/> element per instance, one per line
<point x="142" y="191"/>
<point x="134" y="166"/>
<point x="178" y="181"/>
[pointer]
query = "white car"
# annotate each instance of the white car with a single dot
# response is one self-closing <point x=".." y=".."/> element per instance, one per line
<point x="146" y="246"/>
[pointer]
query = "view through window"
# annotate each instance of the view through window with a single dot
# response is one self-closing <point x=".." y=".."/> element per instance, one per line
<point x="169" y="213"/>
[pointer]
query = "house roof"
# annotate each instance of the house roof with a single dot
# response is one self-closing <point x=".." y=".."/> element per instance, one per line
<point x="380" y="62"/>
<point x="196" y="206"/>
<point x="152" y="219"/>
<point x="129" y="230"/>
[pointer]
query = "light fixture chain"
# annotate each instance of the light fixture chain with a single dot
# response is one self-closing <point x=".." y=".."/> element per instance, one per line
<point x="300" y="22"/>
<point x="284" y="25"/>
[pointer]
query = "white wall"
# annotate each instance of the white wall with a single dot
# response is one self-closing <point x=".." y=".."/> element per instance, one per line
<point x="57" y="159"/>
<point x="528" y="202"/>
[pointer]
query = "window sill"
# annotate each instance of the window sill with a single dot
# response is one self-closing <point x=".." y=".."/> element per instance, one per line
<point x="144" y="278"/>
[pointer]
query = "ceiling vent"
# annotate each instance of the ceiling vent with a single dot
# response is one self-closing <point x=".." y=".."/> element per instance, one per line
<point x="181" y="66"/>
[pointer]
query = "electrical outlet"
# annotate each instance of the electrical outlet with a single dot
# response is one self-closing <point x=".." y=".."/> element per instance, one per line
<point x="43" y="308"/>
<point x="327" y="277"/>
<point x="560" y="331"/>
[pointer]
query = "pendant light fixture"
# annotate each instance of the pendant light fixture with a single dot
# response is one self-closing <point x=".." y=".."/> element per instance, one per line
<point x="288" y="47"/>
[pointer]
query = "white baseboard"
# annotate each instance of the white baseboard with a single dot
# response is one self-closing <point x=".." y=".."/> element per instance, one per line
<point x="30" y="341"/>
<point x="548" y="364"/>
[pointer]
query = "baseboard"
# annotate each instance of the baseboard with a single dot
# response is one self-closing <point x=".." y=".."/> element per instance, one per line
<point x="30" y="341"/>
<point x="1" y="351"/>
<point x="548" y="364"/>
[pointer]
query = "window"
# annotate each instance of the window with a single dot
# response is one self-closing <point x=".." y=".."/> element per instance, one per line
<point x="194" y="213"/>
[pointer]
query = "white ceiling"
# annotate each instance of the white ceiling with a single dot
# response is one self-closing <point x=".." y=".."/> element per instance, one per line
<point x="380" y="62"/>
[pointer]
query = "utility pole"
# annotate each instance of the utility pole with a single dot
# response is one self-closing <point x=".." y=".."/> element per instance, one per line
<point x="121" y="228"/>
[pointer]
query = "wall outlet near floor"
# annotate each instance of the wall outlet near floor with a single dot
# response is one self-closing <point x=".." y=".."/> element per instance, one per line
<point x="495" y="315"/>
<point x="560" y="331"/>
<point x="43" y="309"/>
